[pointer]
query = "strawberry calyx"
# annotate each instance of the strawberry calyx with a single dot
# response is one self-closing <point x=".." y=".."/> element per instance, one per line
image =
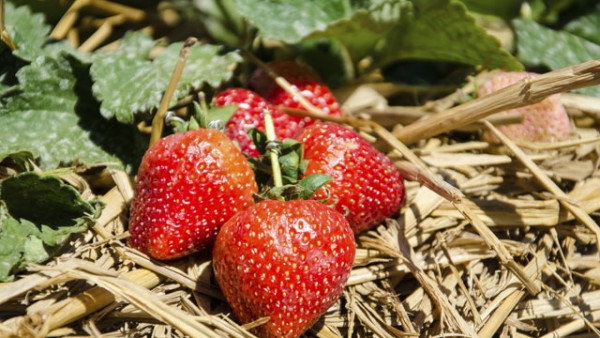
<point x="289" y="152"/>
<point x="203" y="116"/>
<point x="301" y="190"/>
<point x="280" y="166"/>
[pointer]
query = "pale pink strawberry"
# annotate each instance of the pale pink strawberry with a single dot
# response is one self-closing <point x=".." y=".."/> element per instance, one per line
<point x="545" y="121"/>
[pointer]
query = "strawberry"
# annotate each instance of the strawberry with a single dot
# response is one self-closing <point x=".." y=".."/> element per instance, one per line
<point x="365" y="185"/>
<point x="305" y="81"/>
<point x="285" y="260"/>
<point x="250" y="115"/>
<point x="188" y="185"/>
<point x="544" y="121"/>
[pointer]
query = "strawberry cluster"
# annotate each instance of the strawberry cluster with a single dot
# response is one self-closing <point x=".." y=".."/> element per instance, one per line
<point x="267" y="95"/>
<point x="288" y="260"/>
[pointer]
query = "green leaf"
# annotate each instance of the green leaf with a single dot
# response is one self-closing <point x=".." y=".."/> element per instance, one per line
<point x="34" y="250"/>
<point x="13" y="235"/>
<point x="223" y="23"/>
<point x="27" y="30"/>
<point x="223" y="113"/>
<point x="259" y="139"/>
<point x="56" y="118"/>
<point x="357" y="30"/>
<point x="437" y="30"/>
<point x="205" y="64"/>
<point x="38" y="213"/>
<point x="123" y="79"/>
<point x="541" y="46"/>
<point x="56" y="236"/>
<point x="290" y="160"/>
<point x="312" y="183"/>
<point x="361" y="32"/>
<point x="43" y="200"/>
<point x="586" y="27"/>
<point x="22" y="159"/>
<point x="506" y="9"/>
<point x="292" y="20"/>
<point x="442" y="30"/>
<point x="53" y="9"/>
<point x="127" y="82"/>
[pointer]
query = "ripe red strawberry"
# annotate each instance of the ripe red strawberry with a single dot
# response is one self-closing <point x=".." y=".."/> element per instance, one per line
<point x="188" y="185"/>
<point x="250" y="115"/>
<point x="545" y="121"/>
<point x="365" y="185"/>
<point x="286" y="260"/>
<point x="306" y="82"/>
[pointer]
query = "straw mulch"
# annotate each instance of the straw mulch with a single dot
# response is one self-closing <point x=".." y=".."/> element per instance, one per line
<point x="493" y="241"/>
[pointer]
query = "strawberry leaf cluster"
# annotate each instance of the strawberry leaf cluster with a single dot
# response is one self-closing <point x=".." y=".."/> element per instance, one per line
<point x="26" y="29"/>
<point x="56" y="117"/>
<point x="64" y="105"/>
<point x="38" y="214"/>
<point x="127" y="82"/>
<point x="541" y="46"/>
<point x="387" y="31"/>
<point x="296" y="185"/>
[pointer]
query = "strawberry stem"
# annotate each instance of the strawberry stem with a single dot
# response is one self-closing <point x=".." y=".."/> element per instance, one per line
<point x="158" y="120"/>
<point x="274" y="156"/>
<point x="285" y="85"/>
<point x="4" y="36"/>
<point x="201" y="110"/>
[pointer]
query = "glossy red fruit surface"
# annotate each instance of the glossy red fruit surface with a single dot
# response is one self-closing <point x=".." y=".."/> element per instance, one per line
<point x="188" y="185"/>
<point x="250" y="114"/>
<point x="286" y="260"/>
<point x="308" y="84"/>
<point x="366" y="186"/>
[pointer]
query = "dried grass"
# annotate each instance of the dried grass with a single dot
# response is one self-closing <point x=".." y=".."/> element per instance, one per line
<point x="489" y="244"/>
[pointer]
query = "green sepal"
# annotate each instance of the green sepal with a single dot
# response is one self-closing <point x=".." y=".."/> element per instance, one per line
<point x="200" y="116"/>
<point x="260" y="140"/>
<point x="222" y="114"/>
<point x="213" y="116"/>
<point x="290" y="158"/>
<point x="310" y="184"/>
<point x="207" y="118"/>
<point x="20" y="160"/>
<point x="301" y="190"/>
